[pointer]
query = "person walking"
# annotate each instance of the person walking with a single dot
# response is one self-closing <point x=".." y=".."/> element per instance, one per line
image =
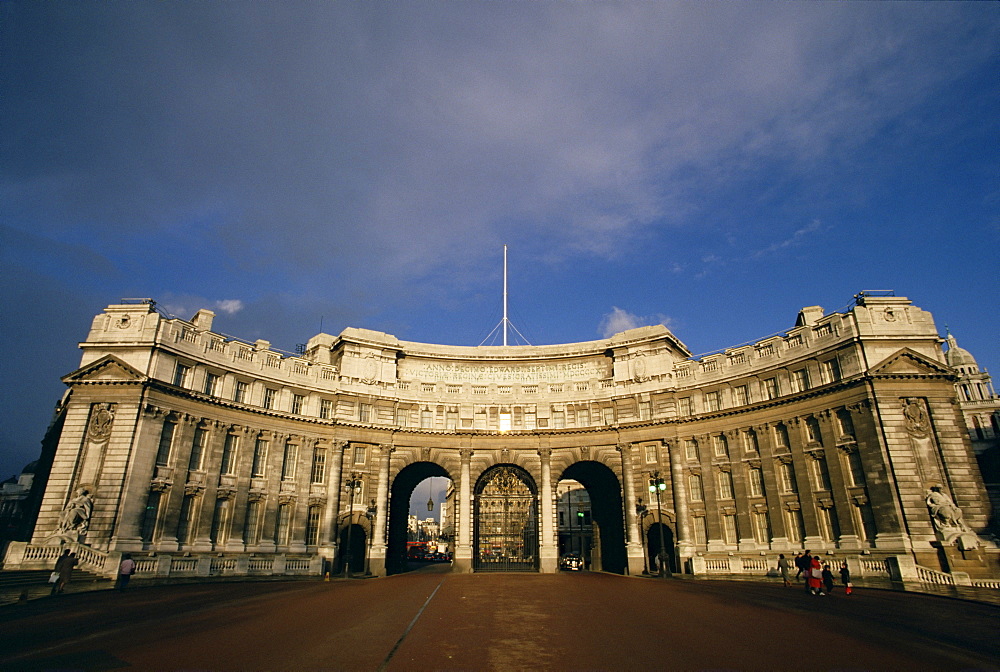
<point x="125" y="571"/>
<point x="814" y="576"/>
<point x="64" y="567"/>
<point x="827" y="579"/>
<point x="783" y="568"/>
<point x="805" y="569"/>
<point x="845" y="578"/>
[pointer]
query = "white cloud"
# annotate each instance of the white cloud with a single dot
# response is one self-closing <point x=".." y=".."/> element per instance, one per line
<point x="229" y="306"/>
<point x="619" y="320"/>
<point x="794" y="240"/>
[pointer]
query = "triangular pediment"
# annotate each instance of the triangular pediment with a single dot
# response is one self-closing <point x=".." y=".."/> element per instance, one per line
<point x="106" y="369"/>
<point x="907" y="362"/>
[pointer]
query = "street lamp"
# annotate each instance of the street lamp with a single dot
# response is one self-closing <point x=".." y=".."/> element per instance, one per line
<point x="656" y="486"/>
<point x="351" y="485"/>
<point x="371" y="513"/>
<point x="640" y="512"/>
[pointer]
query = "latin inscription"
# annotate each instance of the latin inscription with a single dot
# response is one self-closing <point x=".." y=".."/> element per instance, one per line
<point x="504" y="373"/>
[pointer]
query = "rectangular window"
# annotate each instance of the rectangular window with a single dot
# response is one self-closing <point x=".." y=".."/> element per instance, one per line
<point x="558" y="420"/>
<point x="684" y="406"/>
<point x="770" y="388"/>
<point x="289" y="461"/>
<point x="712" y="401"/>
<point x="725" y="485"/>
<point x="150" y="515"/>
<point x="786" y="474"/>
<point x="364" y="413"/>
<point x="298" y="401"/>
<point x="651" y="453"/>
<point x="831" y="370"/>
<point x="219" y="532"/>
<point x="166" y="440"/>
<point x="700" y="530"/>
<point x="427" y="419"/>
<point x="645" y="410"/>
<point x="761" y="527"/>
<point x="855" y="467"/>
<point x="829" y="524"/>
<point x="730" y="531"/>
<point x="198" y="449"/>
<point x="259" y="468"/>
<point x="800" y="380"/>
<point x="691" y="449"/>
<point x="251" y="528"/>
<point x="867" y="528"/>
<point x="741" y="395"/>
<point x="211" y="384"/>
<point x="609" y="415"/>
<point x="694" y="485"/>
<point x="240" y="391"/>
<point x="846" y="422"/>
<point x="583" y="417"/>
<point x="821" y="475"/>
<point x="781" y="437"/>
<point x="721" y="449"/>
<point x="402" y="417"/>
<point x="326" y="409"/>
<point x="312" y="526"/>
<point x="756" y="482"/>
<point x="185" y="521"/>
<point x="813" y="431"/>
<point x="181" y="374"/>
<point x="229" y="450"/>
<point x="269" y="396"/>
<point x="796" y="529"/>
<point x="318" y="466"/>
<point x="360" y="454"/>
<point x="284" y="526"/>
<point x="750" y="443"/>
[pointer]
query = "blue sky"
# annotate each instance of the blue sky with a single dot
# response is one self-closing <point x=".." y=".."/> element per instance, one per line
<point x="712" y="166"/>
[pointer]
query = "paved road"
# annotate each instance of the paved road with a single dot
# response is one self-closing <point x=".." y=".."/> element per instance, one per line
<point x="442" y="621"/>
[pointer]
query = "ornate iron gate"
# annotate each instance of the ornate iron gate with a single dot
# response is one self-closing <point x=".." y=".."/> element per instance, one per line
<point x="506" y="522"/>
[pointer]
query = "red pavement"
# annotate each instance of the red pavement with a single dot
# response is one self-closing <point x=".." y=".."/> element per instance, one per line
<point x="443" y="621"/>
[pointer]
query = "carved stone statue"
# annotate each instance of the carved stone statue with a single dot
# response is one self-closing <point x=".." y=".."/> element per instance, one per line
<point x="76" y="516"/>
<point x="948" y="522"/>
<point x="917" y="423"/>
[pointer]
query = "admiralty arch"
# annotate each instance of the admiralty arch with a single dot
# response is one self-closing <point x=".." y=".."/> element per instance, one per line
<point x="202" y="454"/>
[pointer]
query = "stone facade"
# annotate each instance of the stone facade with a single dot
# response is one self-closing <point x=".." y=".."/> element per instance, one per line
<point x="178" y="442"/>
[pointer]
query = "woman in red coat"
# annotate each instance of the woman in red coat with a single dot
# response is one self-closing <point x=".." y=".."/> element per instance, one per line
<point x="815" y="576"/>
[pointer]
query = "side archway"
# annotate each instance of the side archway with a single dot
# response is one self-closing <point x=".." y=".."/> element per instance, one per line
<point x="399" y="510"/>
<point x="607" y="513"/>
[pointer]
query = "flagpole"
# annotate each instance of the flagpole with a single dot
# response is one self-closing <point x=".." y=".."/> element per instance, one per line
<point x="505" y="295"/>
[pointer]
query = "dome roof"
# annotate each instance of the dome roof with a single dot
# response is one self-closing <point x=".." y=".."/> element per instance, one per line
<point x="30" y="468"/>
<point x="957" y="356"/>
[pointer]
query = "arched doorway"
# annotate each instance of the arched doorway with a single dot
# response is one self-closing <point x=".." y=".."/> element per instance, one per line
<point x="353" y="549"/>
<point x="506" y="514"/>
<point x="399" y="511"/>
<point x="608" y="551"/>
<point x="653" y="546"/>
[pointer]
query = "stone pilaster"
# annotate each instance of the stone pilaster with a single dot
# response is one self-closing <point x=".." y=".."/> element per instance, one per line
<point x="633" y="548"/>
<point x="549" y="551"/>
<point x="463" y="552"/>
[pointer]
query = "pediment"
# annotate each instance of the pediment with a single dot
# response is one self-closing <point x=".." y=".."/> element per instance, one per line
<point x="907" y="362"/>
<point x="107" y="369"/>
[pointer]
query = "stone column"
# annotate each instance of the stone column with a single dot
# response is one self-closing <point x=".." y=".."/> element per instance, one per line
<point x="685" y="544"/>
<point x="180" y="453"/>
<point x="135" y="492"/>
<point x="549" y="549"/>
<point x="328" y="537"/>
<point x="633" y="548"/>
<point x="378" y="543"/>
<point x="463" y="552"/>
<point x="211" y="461"/>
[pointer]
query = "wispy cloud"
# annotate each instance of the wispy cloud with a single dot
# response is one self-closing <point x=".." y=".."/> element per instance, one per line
<point x="797" y="238"/>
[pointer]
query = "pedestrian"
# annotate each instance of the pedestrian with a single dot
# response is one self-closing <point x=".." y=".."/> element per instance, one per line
<point x="827" y="579"/>
<point x="64" y="567"/>
<point x="798" y="565"/>
<point x="814" y="579"/>
<point x="783" y="568"/>
<point x="845" y="578"/>
<point x="805" y="566"/>
<point x="125" y="571"/>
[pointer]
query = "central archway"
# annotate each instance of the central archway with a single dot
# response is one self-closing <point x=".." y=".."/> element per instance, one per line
<point x="399" y="510"/>
<point x="506" y="529"/>
<point x="607" y="513"/>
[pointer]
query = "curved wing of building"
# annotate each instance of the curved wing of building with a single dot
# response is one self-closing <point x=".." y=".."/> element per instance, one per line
<point x="203" y="454"/>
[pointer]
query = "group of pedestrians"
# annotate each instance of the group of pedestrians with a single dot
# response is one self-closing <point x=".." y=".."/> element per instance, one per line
<point x="816" y="575"/>
<point x="63" y="571"/>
